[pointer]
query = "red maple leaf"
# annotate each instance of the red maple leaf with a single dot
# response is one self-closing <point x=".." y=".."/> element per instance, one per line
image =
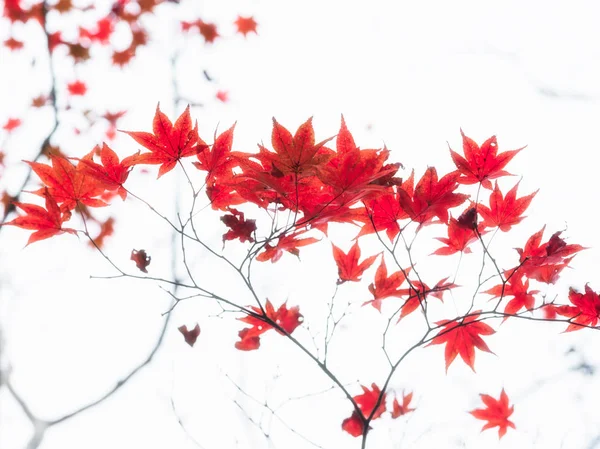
<point x="45" y="222"/>
<point x="544" y="261"/>
<point x="123" y="57"/>
<point x="245" y="25"/>
<point x="462" y="338"/>
<point x="222" y="96"/>
<point x="141" y="259"/>
<point x="504" y="212"/>
<point x="77" y="88"/>
<point x="404" y="408"/>
<point x="169" y="143"/>
<point x="69" y="184"/>
<point x="287" y="243"/>
<point x="515" y="287"/>
<point x="190" y="336"/>
<point x="348" y="267"/>
<point x="11" y="124"/>
<point x="384" y="286"/>
<point x="104" y="28"/>
<point x="16" y="13"/>
<point x="384" y="211"/>
<point x="354" y="173"/>
<point x="221" y="196"/>
<point x="63" y="6"/>
<point x="496" y="413"/>
<point x="54" y="40"/>
<point x="13" y="44"/>
<point x="354" y="425"/>
<point x="366" y="403"/>
<point x="113" y="117"/>
<point x="287" y="319"/>
<point x="418" y="292"/>
<point x="40" y="101"/>
<point x="240" y="228"/>
<point x="481" y="164"/>
<point x="106" y="229"/>
<point x="112" y="173"/>
<point x="585" y="310"/>
<point x="459" y="238"/>
<point x="208" y="31"/>
<point x="297" y="154"/>
<point x="432" y="197"/>
<point x="216" y="158"/>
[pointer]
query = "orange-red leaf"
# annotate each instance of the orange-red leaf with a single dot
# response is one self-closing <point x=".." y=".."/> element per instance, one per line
<point x="216" y="160"/>
<point x="544" y="261"/>
<point x="112" y="173"/>
<point x="12" y="124"/>
<point x="245" y="25"/>
<point x="481" y="164"/>
<point x="348" y="267"/>
<point x="168" y="143"/>
<point x="353" y="425"/>
<point x="515" y="287"/>
<point x="366" y="402"/>
<point x="459" y="239"/>
<point x="462" y="338"/>
<point x="45" y="222"/>
<point x="287" y="243"/>
<point x="77" y="88"/>
<point x="69" y="184"/>
<point x="431" y="197"/>
<point x="505" y="212"/>
<point x="585" y="310"/>
<point x="354" y="173"/>
<point x="298" y="153"/>
<point x="496" y="413"/>
<point x="286" y="318"/>
<point x="384" y="286"/>
<point x="404" y="408"/>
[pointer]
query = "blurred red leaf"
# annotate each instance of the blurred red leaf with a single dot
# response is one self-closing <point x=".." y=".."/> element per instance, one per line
<point x="141" y="259"/>
<point x="191" y="335"/>
<point x="245" y="25"/>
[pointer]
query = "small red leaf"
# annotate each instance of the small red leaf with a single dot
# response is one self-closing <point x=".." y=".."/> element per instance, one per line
<point x="191" y="335"/>
<point x="141" y="259"/>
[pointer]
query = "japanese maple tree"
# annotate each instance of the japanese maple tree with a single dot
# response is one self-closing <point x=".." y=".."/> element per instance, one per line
<point x="303" y="185"/>
<point x="255" y="209"/>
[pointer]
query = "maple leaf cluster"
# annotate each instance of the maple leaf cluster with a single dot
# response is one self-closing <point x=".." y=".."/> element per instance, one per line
<point x="91" y="27"/>
<point x="105" y="23"/>
<point x="317" y="182"/>
<point x="371" y="405"/>
<point x="320" y="185"/>
<point x="68" y="187"/>
<point x="283" y="320"/>
<point x="208" y="30"/>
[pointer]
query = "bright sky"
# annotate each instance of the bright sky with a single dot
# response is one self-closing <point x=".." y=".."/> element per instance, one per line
<point x="407" y="74"/>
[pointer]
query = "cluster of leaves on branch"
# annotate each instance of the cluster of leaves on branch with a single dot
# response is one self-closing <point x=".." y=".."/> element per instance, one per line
<point x="315" y="182"/>
<point x="122" y="13"/>
<point x="75" y="35"/>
